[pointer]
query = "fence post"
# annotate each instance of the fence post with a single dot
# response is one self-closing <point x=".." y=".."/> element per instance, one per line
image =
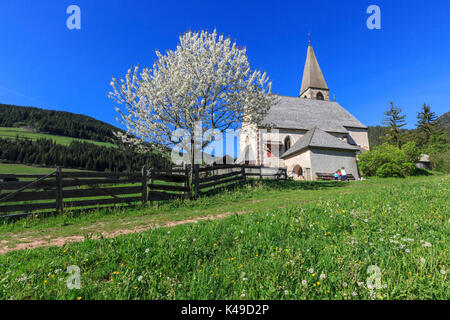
<point x="59" y="196"/>
<point x="260" y="172"/>
<point x="186" y="184"/>
<point x="243" y="173"/>
<point x="150" y="181"/>
<point x="144" y="184"/>
<point x="195" y="182"/>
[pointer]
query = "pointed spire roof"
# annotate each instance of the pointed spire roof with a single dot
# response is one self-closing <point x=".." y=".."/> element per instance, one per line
<point x="312" y="75"/>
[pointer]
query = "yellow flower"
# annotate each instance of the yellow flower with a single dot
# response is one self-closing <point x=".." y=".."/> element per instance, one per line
<point x="210" y="291"/>
<point x="135" y="288"/>
<point x="86" y="260"/>
<point x="79" y="298"/>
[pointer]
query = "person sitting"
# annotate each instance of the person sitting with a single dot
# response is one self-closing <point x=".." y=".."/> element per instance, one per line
<point x="343" y="174"/>
<point x="336" y="176"/>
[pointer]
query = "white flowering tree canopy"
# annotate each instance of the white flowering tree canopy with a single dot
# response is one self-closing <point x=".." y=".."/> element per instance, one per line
<point x="207" y="80"/>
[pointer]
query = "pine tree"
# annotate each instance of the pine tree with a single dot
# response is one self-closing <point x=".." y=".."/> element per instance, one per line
<point x="426" y="125"/>
<point x="394" y="120"/>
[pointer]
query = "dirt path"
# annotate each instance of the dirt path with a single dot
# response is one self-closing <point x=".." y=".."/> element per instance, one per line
<point x="32" y="242"/>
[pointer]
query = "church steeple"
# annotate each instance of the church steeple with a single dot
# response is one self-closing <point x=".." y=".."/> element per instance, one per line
<point x="313" y="82"/>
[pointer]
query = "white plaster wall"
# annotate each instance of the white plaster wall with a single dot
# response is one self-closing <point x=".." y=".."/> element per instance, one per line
<point x="303" y="159"/>
<point x="328" y="161"/>
<point x="360" y="136"/>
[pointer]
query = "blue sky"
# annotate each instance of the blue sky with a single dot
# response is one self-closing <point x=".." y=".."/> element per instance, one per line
<point x="44" y="64"/>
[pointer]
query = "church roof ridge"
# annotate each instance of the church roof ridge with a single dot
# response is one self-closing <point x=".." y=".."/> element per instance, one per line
<point x="318" y="138"/>
<point x="305" y="114"/>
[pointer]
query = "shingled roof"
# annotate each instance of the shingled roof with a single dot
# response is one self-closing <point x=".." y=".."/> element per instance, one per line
<point x="319" y="139"/>
<point x="305" y="114"/>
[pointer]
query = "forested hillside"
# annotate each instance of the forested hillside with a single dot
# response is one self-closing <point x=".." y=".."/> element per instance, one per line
<point x="57" y="122"/>
<point x="376" y="132"/>
<point x="78" y="155"/>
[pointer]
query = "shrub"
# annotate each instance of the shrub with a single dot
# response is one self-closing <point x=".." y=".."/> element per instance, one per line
<point x="440" y="161"/>
<point x="389" y="161"/>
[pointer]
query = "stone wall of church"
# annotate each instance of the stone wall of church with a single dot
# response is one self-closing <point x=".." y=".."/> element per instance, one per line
<point x="328" y="161"/>
<point x="359" y="136"/>
<point x="278" y="136"/>
<point x="303" y="160"/>
<point x="311" y="93"/>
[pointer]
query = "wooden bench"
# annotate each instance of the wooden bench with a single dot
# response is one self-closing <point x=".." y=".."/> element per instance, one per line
<point x="330" y="176"/>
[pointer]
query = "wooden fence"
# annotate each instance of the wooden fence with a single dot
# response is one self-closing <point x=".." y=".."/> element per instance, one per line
<point x="21" y="195"/>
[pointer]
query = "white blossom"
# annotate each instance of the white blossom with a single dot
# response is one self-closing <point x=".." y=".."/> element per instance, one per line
<point x="207" y="79"/>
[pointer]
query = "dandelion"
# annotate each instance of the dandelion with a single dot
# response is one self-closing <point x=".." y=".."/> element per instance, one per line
<point x="354" y="293"/>
<point x="147" y="250"/>
<point x="79" y="298"/>
<point x="360" y="284"/>
<point x="407" y="250"/>
<point x="304" y="282"/>
<point x="243" y="295"/>
<point x="140" y="278"/>
<point x="442" y="271"/>
<point x="345" y="284"/>
<point x="286" y="292"/>
<point x="426" y="244"/>
<point x="322" y="276"/>
<point x="422" y="260"/>
<point x="311" y="270"/>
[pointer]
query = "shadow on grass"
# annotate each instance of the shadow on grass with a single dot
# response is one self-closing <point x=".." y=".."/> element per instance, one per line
<point x="280" y="185"/>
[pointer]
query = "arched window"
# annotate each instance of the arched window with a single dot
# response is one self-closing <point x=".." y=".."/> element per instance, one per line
<point x="319" y="96"/>
<point x="287" y="143"/>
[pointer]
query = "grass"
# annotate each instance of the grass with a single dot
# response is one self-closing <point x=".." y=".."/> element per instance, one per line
<point x="12" y="133"/>
<point x="296" y="240"/>
<point x="24" y="169"/>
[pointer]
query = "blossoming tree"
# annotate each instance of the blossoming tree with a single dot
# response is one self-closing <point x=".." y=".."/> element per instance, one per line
<point x="203" y="88"/>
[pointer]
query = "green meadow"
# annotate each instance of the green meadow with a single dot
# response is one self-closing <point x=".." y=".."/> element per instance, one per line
<point x="373" y="239"/>
<point x="13" y="133"/>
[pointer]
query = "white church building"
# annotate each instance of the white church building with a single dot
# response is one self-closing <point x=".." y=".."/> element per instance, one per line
<point x="308" y="134"/>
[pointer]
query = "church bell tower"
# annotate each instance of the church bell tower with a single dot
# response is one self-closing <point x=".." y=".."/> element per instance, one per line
<point x="313" y="82"/>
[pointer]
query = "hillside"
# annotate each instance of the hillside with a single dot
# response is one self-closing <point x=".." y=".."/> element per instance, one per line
<point x="375" y="132"/>
<point x="59" y="123"/>
<point x="13" y="133"/>
<point x="444" y="122"/>
<point x="37" y="137"/>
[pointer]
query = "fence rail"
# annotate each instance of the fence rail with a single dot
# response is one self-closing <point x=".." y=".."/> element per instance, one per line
<point x="22" y="194"/>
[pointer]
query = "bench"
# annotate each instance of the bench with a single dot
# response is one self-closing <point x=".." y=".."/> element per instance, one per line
<point x="330" y="176"/>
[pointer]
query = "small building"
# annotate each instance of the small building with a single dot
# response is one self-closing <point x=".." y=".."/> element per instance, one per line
<point x="423" y="162"/>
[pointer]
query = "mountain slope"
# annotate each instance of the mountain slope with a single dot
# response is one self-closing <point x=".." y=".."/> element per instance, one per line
<point x="59" y="123"/>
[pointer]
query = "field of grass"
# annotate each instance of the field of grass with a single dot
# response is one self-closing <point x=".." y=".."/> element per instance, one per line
<point x="12" y="133"/>
<point x="24" y="169"/>
<point x="285" y="240"/>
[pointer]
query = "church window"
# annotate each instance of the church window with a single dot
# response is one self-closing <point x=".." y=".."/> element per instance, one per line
<point x="287" y="143"/>
<point x="319" y="96"/>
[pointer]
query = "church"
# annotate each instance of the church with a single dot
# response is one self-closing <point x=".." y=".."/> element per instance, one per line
<point x="308" y="134"/>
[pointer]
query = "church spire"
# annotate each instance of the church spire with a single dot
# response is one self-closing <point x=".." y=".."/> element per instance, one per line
<point x="313" y="82"/>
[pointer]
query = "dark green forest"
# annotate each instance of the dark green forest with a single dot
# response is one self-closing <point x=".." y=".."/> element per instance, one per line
<point x="78" y="155"/>
<point x="57" y="122"/>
